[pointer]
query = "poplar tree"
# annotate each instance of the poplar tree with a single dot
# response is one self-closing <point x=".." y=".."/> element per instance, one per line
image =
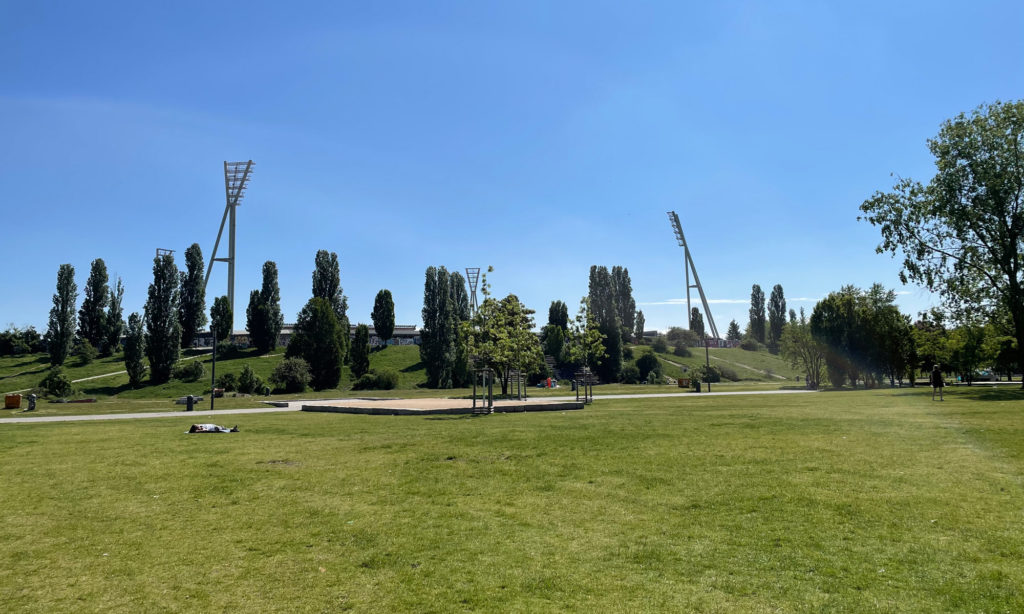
<point x="384" y="316"/>
<point x="460" y="303"/>
<point x="601" y="299"/>
<point x="558" y="315"/>
<point x="697" y="323"/>
<point x="757" y="320"/>
<point x="360" y="357"/>
<point x="192" y="302"/>
<point x="625" y="306"/>
<point x="439" y="335"/>
<point x="316" y="341"/>
<point x="115" y="318"/>
<point x="776" y="318"/>
<point x="639" y="332"/>
<point x="60" y="335"/>
<point x="221" y="319"/>
<point x="263" y="315"/>
<point x="92" y="317"/>
<point x="163" y="332"/>
<point x="327" y="285"/>
<point x="134" y="350"/>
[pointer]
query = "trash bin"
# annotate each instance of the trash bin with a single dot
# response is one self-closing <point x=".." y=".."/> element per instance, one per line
<point x="696" y="386"/>
<point x="190" y="403"/>
<point x="12" y="401"/>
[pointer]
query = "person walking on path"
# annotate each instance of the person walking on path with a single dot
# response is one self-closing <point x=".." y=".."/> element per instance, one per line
<point x="937" y="382"/>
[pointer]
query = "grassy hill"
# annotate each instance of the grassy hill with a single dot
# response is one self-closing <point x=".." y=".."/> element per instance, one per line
<point x="759" y="366"/>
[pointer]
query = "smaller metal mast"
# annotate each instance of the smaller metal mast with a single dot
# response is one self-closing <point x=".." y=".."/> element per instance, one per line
<point x="473" y="276"/>
<point x="236" y="176"/>
<point x="688" y="265"/>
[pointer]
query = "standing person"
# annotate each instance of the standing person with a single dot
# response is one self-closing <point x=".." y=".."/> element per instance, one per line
<point x="937" y="382"/>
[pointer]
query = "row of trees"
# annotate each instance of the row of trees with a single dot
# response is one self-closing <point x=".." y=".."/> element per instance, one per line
<point x="99" y="324"/>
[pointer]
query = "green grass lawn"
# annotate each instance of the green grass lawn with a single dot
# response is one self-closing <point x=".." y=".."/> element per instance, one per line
<point x="866" y="501"/>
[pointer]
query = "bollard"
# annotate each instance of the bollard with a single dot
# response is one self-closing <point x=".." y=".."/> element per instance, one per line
<point x="190" y="403"/>
<point x="696" y="386"/>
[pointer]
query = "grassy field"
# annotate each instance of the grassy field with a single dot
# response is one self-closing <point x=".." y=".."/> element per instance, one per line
<point x="867" y="501"/>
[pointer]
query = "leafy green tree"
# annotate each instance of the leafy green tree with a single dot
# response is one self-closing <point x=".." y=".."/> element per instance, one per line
<point x="638" y="332"/>
<point x="460" y="300"/>
<point x="585" y="342"/>
<point x="360" y="353"/>
<point x="501" y="336"/>
<point x="661" y="346"/>
<point x="648" y="363"/>
<point x="263" y="315"/>
<point x="967" y="350"/>
<point x="134" y="350"/>
<point x="558" y="315"/>
<point x="383" y="315"/>
<point x="733" y="334"/>
<point x="792" y="316"/>
<point x="192" y="301"/>
<point x="327" y="285"/>
<point x="60" y="335"/>
<point x="291" y="375"/>
<point x="697" y="323"/>
<point x="1004" y="352"/>
<point x="221" y="318"/>
<point x="681" y="336"/>
<point x="115" y="319"/>
<point x="315" y="340"/>
<point x="553" y="341"/>
<point x="163" y="333"/>
<point x="962" y="234"/>
<point x="460" y="297"/>
<point x="602" y="305"/>
<point x="776" y="318"/>
<point x="86" y="352"/>
<point x="92" y="317"/>
<point x="804" y="352"/>
<point x="439" y="335"/>
<point x="625" y="306"/>
<point x="757" y="319"/>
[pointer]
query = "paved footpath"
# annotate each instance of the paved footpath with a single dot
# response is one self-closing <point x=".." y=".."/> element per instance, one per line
<point x="297" y="406"/>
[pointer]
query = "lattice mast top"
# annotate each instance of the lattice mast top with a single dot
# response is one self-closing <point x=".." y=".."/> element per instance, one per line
<point x="236" y="179"/>
<point x="688" y="266"/>
<point x="472" y="276"/>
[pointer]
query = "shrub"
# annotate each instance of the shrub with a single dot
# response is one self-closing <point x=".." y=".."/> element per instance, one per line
<point x="226" y="349"/>
<point x="682" y="351"/>
<point x="189" y="371"/>
<point x="648" y="363"/>
<point x="57" y="383"/>
<point x="705" y="373"/>
<point x="728" y="374"/>
<point x="377" y="379"/>
<point x="660" y="345"/>
<point x="682" y="336"/>
<point x="248" y="381"/>
<point x="228" y="382"/>
<point x="291" y="375"/>
<point x="627" y="353"/>
<point x="629" y="375"/>
<point x="652" y="378"/>
<point x="86" y="353"/>
<point x="751" y="345"/>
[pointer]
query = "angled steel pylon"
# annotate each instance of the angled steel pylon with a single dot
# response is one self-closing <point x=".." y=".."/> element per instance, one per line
<point x="688" y="265"/>
<point x="236" y="176"/>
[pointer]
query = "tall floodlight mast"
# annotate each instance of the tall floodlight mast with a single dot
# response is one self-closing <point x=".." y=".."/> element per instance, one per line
<point x="472" y="276"/>
<point x="688" y="265"/>
<point x="236" y="177"/>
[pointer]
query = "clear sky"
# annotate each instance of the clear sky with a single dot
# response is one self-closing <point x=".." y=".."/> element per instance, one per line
<point x="537" y="137"/>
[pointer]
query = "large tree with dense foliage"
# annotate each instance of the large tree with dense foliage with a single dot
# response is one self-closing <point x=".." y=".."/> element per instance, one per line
<point x="60" y="335"/>
<point x="327" y="285"/>
<point x="192" y="301"/>
<point x="625" y="306"/>
<point x="776" y="318"/>
<point x="733" y="333"/>
<point x="804" y="352"/>
<point x="501" y="337"/>
<point x="115" y="318"/>
<point x="440" y="333"/>
<point x="697" y="323"/>
<point x="135" y="350"/>
<point x="460" y="302"/>
<point x="163" y="333"/>
<point x="602" y="305"/>
<point x="757" y="318"/>
<point x="263" y="315"/>
<point x="315" y="340"/>
<point x="92" y="317"/>
<point x="558" y="315"/>
<point x="962" y="234"/>
<point x="638" y="331"/>
<point x="584" y="345"/>
<point x="221" y="318"/>
<point x="383" y="315"/>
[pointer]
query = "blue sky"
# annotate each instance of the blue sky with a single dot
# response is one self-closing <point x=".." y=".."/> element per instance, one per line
<point x="537" y="137"/>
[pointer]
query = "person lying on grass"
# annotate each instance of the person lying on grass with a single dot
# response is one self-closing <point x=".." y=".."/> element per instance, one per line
<point x="211" y="428"/>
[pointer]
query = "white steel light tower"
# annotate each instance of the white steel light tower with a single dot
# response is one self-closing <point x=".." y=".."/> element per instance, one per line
<point x="236" y="176"/>
<point x="688" y="265"/>
<point x="472" y="276"/>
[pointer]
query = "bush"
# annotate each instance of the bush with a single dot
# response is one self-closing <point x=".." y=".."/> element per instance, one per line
<point x="189" y="371"/>
<point x="751" y="345"/>
<point x="660" y="345"/>
<point x="86" y="353"/>
<point x="377" y="379"/>
<point x="228" y="382"/>
<point x="652" y="378"/>
<point x="681" y="351"/>
<point x="291" y="375"/>
<point x="705" y="373"/>
<point x="627" y="353"/>
<point x="248" y="381"/>
<point x="682" y="336"/>
<point x="728" y="374"/>
<point x="57" y="384"/>
<point x="226" y="349"/>
<point x="648" y="363"/>
<point x="629" y="375"/>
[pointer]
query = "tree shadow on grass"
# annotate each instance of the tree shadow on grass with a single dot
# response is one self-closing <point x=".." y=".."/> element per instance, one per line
<point x="416" y="367"/>
<point x="1006" y="393"/>
<point x="109" y="391"/>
